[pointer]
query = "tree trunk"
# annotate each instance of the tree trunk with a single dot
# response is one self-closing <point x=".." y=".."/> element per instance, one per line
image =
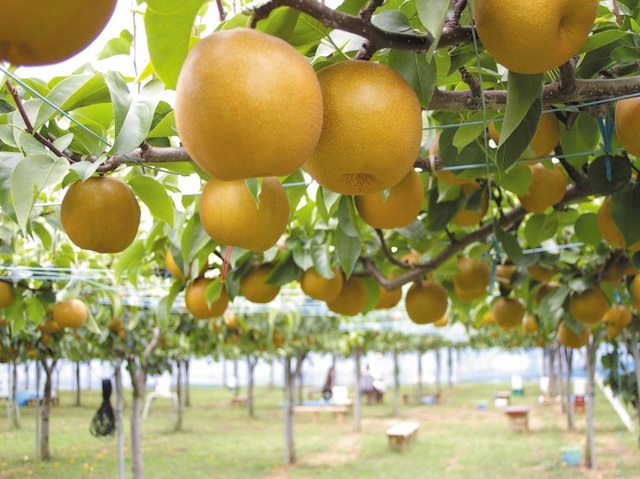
<point x="299" y="380"/>
<point x="357" y="400"/>
<point x="449" y="367"/>
<point x="396" y="384"/>
<point x="37" y="413"/>
<point x="633" y="345"/>
<point x="568" y="354"/>
<point x="438" y="373"/>
<point x="272" y="374"/>
<point x="119" y="416"/>
<point x="78" y="385"/>
<point x="551" y="388"/>
<point x="177" y="426"/>
<point x="26" y="375"/>
<point x="251" y="366"/>
<point x="290" y="453"/>
<point x="138" y="374"/>
<point x="563" y="395"/>
<point x="236" y="376"/>
<point x="458" y="362"/>
<point x="225" y="382"/>
<point x="590" y="453"/>
<point x="89" y="375"/>
<point x="12" y="405"/>
<point x="49" y="368"/>
<point x="419" y="382"/>
<point x="187" y="383"/>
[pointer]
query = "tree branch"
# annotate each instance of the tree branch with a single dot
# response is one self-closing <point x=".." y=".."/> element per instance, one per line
<point x="29" y="126"/>
<point x="506" y="222"/>
<point x="146" y="154"/>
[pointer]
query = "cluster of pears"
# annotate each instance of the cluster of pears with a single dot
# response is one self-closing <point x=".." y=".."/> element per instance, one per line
<point x="248" y="105"/>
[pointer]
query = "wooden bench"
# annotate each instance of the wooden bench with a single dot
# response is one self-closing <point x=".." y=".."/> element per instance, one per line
<point x="402" y="434"/>
<point x="340" y="410"/>
<point x="518" y="417"/>
<point x="238" y="400"/>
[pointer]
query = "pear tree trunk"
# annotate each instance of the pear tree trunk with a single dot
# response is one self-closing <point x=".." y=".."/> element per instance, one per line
<point x="290" y="452"/>
<point x="419" y="382"/>
<point x="78" y="385"/>
<point x="12" y="405"/>
<point x="49" y="368"/>
<point x="450" y="366"/>
<point x="357" y="400"/>
<point x="568" y="353"/>
<point x="177" y="426"/>
<point x="187" y="383"/>
<point x="590" y="453"/>
<point x="635" y="352"/>
<point x="251" y="366"/>
<point x="396" y="384"/>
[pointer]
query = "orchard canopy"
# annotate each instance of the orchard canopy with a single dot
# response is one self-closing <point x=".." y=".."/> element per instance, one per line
<point x="446" y="158"/>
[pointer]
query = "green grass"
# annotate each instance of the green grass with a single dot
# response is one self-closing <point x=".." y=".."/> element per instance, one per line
<point x="456" y="441"/>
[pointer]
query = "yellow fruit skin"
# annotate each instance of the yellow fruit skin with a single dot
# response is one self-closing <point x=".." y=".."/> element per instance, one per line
<point x="372" y="129"/>
<point x="465" y="217"/>
<point x="35" y="32"/>
<point x="589" y="306"/>
<point x="196" y="300"/>
<point x="254" y="286"/>
<point x="230" y="216"/>
<point x="609" y="230"/>
<point x="569" y="339"/>
<point x="100" y="214"/>
<point x="627" y="119"/>
<point x="533" y="37"/>
<point x="507" y="312"/>
<point x="530" y="324"/>
<point x="635" y="288"/>
<point x="388" y="299"/>
<point x="352" y="298"/>
<point x="7" y="294"/>
<point x="247" y="105"/>
<point x="318" y="287"/>
<point x="70" y="314"/>
<point x="544" y="140"/>
<point x="400" y="208"/>
<point x="473" y="274"/>
<point x="426" y="302"/>
<point x="547" y="188"/>
<point x="540" y="273"/>
<point x="172" y="266"/>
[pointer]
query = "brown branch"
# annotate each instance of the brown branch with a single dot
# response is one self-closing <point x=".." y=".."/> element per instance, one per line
<point x="146" y="154"/>
<point x="458" y="7"/>
<point x="367" y="12"/>
<point x="387" y="252"/>
<point x="156" y="334"/>
<point x="567" y="80"/>
<point x="29" y="126"/>
<point x="474" y="84"/>
<point x="585" y="91"/>
<point x="505" y="222"/>
<point x="578" y="177"/>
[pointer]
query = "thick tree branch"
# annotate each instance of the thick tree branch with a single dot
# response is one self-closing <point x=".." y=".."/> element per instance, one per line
<point x="144" y="155"/>
<point x="552" y="94"/>
<point x="506" y="222"/>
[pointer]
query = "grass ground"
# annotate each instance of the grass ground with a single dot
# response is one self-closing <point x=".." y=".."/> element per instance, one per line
<point x="456" y="441"/>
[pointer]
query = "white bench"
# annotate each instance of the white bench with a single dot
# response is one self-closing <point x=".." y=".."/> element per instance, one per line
<point x="402" y="434"/>
<point x="340" y="410"/>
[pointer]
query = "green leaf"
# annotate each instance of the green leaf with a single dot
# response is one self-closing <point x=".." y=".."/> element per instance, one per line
<point x="625" y="208"/>
<point x="155" y="196"/>
<point x="539" y="228"/>
<point x="213" y="291"/>
<point x="43" y="235"/>
<point x="509" y="244"/>
<point x="321" y="258"/>
<point x="432" y="14"/>
<point x="73" y="92"/>
<point x="553" y="301"/>
<point x="163" y="310"/>
<point x="522" y="115"/>
<point x="583" y="138"/>
<point x="35" y="309"/>
<point x="620" y="168"/>
<point x="285" y="271"/>
<point x="254" y="185"/>
<point x="280" y="23"/>
<point x="348" y="249"/>
<point x="392" y="21"/>
<point x="133" y="114"/>
<point x="120" y="45"/>
<point x="440" y="214"/>
<point x="587" y="230"/>
<point x="168" y="26"/>
<point x="600" y="39"/>
<point x="417" y="71"/>
<point x="131" y="256"/>
<point x="345" y="216"/>
<point x="28" y="178"/>
<point x="517" y="179"/>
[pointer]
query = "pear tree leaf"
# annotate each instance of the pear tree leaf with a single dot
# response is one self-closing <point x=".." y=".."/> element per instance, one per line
<point x="168" y="25"/>
<point x="516" y="179"/>
<point x="155" y="196"/>
<point x="620" y="174"/>
<point x="284" y="271"/>
<point x="28" y="178"/>
<point x="509" y="243"/>
<point x="322" y="259"/>
<point x="254" y="185"/>
<point x="120" y="45"/>
<point x="432" y="15"/>
<point x="281" y="23"/>
<point x="163" y="310"/>
<point x="348" y="249"/>
<point x="345" y="217"/>
<point x="129" y="257"/>
<point x="586" y="228"/>
<point x="417" y="72"/>
<point x="522" y="115"/>
<point x="625" y="208"/>
<point x="539" y="228"/>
